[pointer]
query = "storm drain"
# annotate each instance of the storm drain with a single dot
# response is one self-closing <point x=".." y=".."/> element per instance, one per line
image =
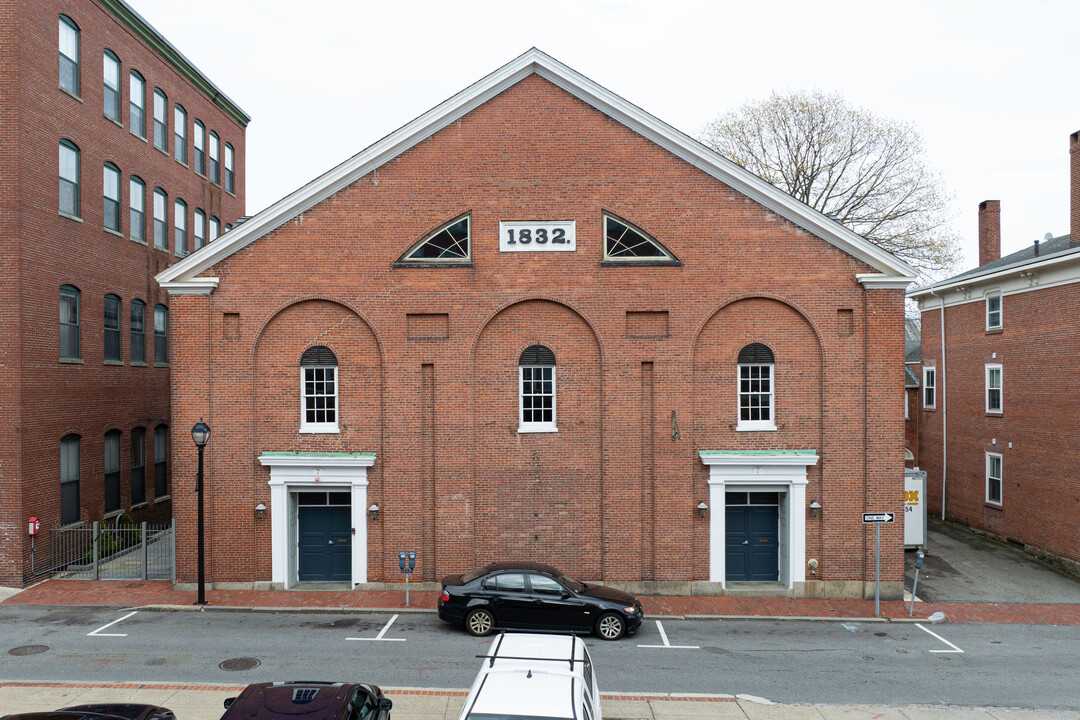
<point x="28" y="650"/>
<point x="234" y="664"/>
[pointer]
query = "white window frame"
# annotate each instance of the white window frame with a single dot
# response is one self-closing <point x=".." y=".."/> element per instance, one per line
<point x="929" y="382"/>
<point x="756" y="425"/>
<point x="989" y="312"/>
<point x="999" y="478"/>
<point x="537" y="427"/>
<point x="318" y="427"/>
<point x="990" y="368"/>
<point x="907" y="413"/>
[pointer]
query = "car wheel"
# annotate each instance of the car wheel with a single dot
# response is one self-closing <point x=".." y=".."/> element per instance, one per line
<point x="480" y="622"/>
<point x="610" y="626"/>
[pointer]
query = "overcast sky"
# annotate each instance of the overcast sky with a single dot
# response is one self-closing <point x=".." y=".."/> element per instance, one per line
<point x="994" y="87"/>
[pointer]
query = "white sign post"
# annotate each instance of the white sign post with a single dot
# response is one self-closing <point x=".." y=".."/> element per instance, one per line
<point x="877" y="519"/>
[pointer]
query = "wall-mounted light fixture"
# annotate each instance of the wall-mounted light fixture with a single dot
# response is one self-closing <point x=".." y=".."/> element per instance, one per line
<point x="260" y="510"/>
<point x="702" y="509"/>
<point x="813" y="566"/>
<point x="815" y="508"/>
<point x="373" y="511"/>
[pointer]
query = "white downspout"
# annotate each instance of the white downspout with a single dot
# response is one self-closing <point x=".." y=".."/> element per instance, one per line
<point x="944" y="408"/>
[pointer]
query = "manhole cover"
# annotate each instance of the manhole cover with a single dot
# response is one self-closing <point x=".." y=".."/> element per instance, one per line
<point x="28" y="650"/>
<point x="239" y="664"/>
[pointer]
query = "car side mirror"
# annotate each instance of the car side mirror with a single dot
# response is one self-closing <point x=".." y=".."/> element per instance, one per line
<point x="567" y="594"/>
<point x="386" y="704"/>
<point x="228" y="702"/>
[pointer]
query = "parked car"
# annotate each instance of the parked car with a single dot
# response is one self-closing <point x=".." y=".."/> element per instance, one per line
<point x="308" y="700"/>
<point x="531" y="676"/>
<point x="100" y="711"/>
<point x="535" y="595"/>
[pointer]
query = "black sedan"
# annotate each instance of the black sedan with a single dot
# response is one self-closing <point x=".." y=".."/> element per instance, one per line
<point x="100" y="711"/>
<point x="535" y="595"/>
<point x="309" y="700"/>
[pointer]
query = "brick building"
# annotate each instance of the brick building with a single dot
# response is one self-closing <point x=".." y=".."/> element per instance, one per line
<point x="151" y="158"/>
<point x="537" y="322"/>
<point x="1000" y="399"/>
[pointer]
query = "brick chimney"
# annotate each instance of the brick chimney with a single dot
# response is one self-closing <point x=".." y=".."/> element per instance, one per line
<point x="990" y="224"/>
<point x="1074" y="187"/>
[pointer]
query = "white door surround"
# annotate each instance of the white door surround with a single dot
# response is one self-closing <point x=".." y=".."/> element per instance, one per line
<point x="292" y="472"/>
<point x="780" y="471"/>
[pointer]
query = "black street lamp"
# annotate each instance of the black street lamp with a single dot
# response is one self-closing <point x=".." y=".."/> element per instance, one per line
<point x="201" y="435"/>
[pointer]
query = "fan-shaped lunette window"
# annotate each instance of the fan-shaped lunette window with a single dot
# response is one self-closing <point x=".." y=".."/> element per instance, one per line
<point x="451" y="243"/>
<point x="624" y="242"/>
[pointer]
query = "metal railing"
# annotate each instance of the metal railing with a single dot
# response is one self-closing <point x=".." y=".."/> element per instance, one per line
<point x="99" y="552"/>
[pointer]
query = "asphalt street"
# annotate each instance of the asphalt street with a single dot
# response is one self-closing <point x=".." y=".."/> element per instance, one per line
<point x="810" y="662"/>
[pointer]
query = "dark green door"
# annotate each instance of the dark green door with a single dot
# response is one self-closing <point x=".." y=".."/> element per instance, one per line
<point x="753" y="542"/>
<point x="325" y="543"/>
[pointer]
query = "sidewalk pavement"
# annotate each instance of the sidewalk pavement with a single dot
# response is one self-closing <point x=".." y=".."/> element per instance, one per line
<point x="205" y="702"/>
<point x="160" y="594"/>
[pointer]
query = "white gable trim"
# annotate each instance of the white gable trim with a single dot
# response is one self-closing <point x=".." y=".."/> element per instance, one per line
<point x="532" y="62"/>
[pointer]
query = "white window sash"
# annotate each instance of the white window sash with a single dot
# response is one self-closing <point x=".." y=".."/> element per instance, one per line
<point x="991" y="478"/>
<point x="991" y="370"/>
<point x="929" y="384"/>
<point x="318" y="427"/>
<point x="990" y="314"/>
<point x="756" y="425"/>
<point x="537" y="427"/>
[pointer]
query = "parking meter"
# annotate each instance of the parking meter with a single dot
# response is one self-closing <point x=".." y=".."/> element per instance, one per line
<point x="919" y="555"/>
<point x="401" y="561"/>
<point x="404" y="556"/>
<point x="412" y="560"/>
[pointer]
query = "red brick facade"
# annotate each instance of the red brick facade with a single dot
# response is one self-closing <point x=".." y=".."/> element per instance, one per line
<point x="428" y="362"/>
<point x="46" y="398"/>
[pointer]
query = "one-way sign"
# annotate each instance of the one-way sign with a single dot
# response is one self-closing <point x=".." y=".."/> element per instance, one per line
<point x="878" y="517"/>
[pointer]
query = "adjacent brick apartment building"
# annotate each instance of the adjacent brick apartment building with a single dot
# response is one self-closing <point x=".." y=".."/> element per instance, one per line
<point x="1000" y="398"/>
<point x="537" y="322"/>
<point x="151" y="167"/>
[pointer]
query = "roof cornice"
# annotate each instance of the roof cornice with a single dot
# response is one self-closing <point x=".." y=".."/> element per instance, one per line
<point x="880" y="281"/>
<point x="536" y="62"/>
<point x="1036" y="265"/>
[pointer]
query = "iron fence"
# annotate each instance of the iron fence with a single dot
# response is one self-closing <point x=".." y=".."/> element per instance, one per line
<point x="99" y="552"/>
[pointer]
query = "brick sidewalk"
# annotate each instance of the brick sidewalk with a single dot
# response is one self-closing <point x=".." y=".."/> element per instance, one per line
<point x="141" y="593"/>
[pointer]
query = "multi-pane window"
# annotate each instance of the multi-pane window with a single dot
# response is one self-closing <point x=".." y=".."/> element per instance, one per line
<point x="318" y="369"/>
<point x="993" y="312"/>
<point x="161" y="235"/>
<point x="137" y="104"/>
<point x="215" y="154"/>
<point x="215" y="228"/>
<point x="112" y="328"/>
<point x="161" y="461"/>
<point x="111" y="192"/>
<point x="111" y="81"/>
<point x="180" y="227"/>
<point x="230" y="176"/>
<point x="161" y="114"/>
<point x="161" y="335"/>
<point x="200" y="147"/>
<point x="138" y="466"/>
<point x="536" y="390"/>
<point x="993" y="478"/>
<point x="756" y="394"/>
<point x="137" y="204"/>
<point x="112" y="470"/>
<point x="138" y="331"/>
<point x="993" y="388"/>
<point x="180" y="133"/>
<point x="200" y="228"/>
<point x="929" y="383"/>
<point x="69" y="178"/>
<point x="69" y="55"/>
<point x="449" y="243"/>
<point x="69" y="323"/>
<point x="69" y="480"/>
<point x="625" y="243"/>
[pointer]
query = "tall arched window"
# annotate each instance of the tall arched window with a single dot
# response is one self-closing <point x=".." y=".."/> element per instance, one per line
<point x="69" y="480"/>
<point x="161" y="461"/>
<point x="161" y="115"/>
<point x="180" y="228"/>
<point x="138" y="466"/>
<point x="161" y="220"/>
<point x="230" y="175"/>
<point x="111" y="192"/>
<point x="180" y="133"/>
<point x="200" y="147"/>
<point x="69" y="55"/>
<point x="69" y="323"/>
<point x="756" y="395"/>
<point x="161" y="335"/>
<point x="138" y="332"/>
<point x="137" y="203"/>
<point x="318" y="370"/>
<point x="69" y="178"/>
<point x="137" y="106"/>
<point x="111" y="82"/>
<point x="112" y="470"/>
<point x="112" y="329"/>
<point x="215" y="158"/>
<point x="536" y="390"/>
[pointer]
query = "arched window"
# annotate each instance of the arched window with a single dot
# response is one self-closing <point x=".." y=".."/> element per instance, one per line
<point x="69" y="479"/>
<point x="69" y="323"/>
<point x="215" y="158"/>
<point x="111" y="192"/>
<point x="112" y="470"/>
<point x="215" y="228"/>
<point x="137" y="108"/>
<point x="111" y="81"/>
<point x="161" y="114"/>
<point x="161" y="335"/>
<point x="112" y="329"/>
<point x="180" y="133"/>
<point x="200" y="228"/>
<point x="625" y="243"/>
<point x="200" y="147"/>
<point x="161" y="461"/>
<point x="161" y="220"/>
<point x="69" y="178"/>
<point x="138" y="466"/>
<point x="756" y="397"/>
<point x="180" y="227"/>
<point x="318" y="370"/>
<point x="448" y="244"/>
<point x="536" y="390"/>
<point x="138" y="332"/>
<point x="69" y="55"/>
<point x="137" y="203"/>
<point x="230" y="175"/>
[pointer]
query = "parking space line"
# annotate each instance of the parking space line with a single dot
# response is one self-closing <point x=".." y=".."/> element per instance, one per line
<point x="954" y="648"/>
<point x="98" y="633"/>
<point x="667" y="643"/>
<point x="381" y="633"/>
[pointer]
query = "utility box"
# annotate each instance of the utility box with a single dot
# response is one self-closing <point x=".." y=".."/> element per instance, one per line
<point x="914" y="508"/>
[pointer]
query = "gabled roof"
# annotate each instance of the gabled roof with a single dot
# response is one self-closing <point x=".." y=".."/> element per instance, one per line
<point x="184" y="276"/>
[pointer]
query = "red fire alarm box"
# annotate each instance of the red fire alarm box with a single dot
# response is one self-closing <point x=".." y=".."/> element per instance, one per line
<point x="35" y="526"/>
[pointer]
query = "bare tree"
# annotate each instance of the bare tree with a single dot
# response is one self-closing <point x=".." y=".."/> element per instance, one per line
<point x="866" y="172"/>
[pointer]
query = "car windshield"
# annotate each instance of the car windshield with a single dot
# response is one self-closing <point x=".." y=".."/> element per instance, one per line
<point x="572" y="583"/>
